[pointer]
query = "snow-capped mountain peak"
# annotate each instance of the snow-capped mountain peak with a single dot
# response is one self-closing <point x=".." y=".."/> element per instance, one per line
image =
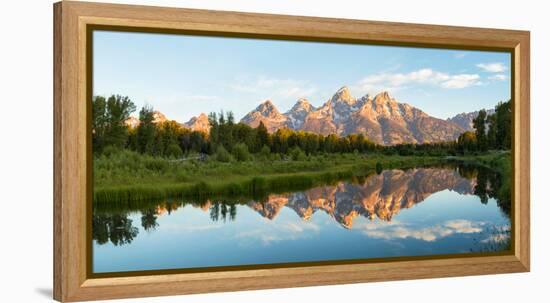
<point x="268" y="114"/>
<point x="297" y="114"/>
<point x="342" y="95"/>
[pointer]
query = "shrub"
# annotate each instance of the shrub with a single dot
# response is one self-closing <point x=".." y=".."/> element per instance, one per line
<point x="156" y="164"/>
<point x="174" y="151"/>
<point x="223" y="155"/>
<point x="265" y="153"/>
<point x="275" y="157"/>
<point x="297" y="154"/>
<point x="111" y="150"/>
<point x="240" y="152"/>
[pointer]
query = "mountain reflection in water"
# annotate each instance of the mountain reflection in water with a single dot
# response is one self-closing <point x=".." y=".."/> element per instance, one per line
<point x="380" y="196"/>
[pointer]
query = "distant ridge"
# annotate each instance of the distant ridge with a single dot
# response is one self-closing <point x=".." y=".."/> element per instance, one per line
<point x="382" y="119"/>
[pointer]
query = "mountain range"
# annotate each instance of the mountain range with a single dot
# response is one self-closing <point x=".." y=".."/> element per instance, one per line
<point x="380" y="196"/>
<point x="466" y="120"/>
<point x="382" y="119"/>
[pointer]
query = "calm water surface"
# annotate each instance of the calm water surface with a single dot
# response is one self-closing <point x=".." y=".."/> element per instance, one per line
<point x="424" y="211"/>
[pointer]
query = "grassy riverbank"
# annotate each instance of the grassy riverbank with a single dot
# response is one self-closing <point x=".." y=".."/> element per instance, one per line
<point x="500" y="161"/>
<point x="129" y="176"/>
<point x="126" y="176"/>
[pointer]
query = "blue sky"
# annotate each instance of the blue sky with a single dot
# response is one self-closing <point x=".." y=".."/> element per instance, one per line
<point x="183" y="76"/>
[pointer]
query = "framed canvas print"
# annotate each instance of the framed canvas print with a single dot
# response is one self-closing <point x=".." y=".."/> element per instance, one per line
<point x="201" y="151"/>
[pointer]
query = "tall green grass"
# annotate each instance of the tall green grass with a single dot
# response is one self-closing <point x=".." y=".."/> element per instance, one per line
<point x="127" y="177"/>
<point x="254" y="187"/>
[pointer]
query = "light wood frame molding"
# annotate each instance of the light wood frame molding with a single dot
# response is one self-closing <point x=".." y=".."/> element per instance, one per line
<point x="72" y="148"/>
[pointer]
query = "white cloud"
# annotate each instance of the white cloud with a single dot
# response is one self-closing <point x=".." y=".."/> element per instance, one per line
<point x="498" y="77"/>
<point x="495" y="67"/>
<point x="400" y="231"/>
<point x="427" y="76"/>
<point x="461" y="81"/>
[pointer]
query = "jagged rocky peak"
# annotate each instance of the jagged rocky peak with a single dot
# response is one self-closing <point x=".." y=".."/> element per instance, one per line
<point x="383" y="97"/>
<point x="302" y="105"/>
<point x="267" y="108"/>
<point x="268" y="114"/>
<point x="134" y="122"/>
<point x="366" y="98"/>
<point x="298" y="113"/>
<point x="199" y="123"/>
<point x="465" y="120"/>
<point x="343" y="94"/>
<point x="384" y="105"/>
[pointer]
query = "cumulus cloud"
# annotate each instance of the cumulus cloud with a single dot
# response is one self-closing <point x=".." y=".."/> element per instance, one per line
<point x="429" y="234"/>
<point x="427" y="76"/>
<point x="495" y="67"/>
<point x="461" y="81"/>
<point x="498" y="77"/>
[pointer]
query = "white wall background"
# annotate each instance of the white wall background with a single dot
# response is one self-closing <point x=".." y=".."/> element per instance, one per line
<point x="26" y="149"/>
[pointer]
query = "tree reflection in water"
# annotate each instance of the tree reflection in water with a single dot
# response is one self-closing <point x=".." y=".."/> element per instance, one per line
<point x="406" y="187"/>
<point x="116" y="228"/>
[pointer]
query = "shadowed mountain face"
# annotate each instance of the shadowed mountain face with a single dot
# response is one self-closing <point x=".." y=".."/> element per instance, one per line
<point x="465" y="120"/>
<point x="381" y="196"/>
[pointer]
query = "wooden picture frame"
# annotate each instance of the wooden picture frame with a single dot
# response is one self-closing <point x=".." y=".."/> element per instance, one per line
<point x="72" y="20"/>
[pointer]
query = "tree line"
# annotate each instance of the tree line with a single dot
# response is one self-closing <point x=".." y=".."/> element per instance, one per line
<point x="491" y="132"/>
<point x="228" y="140"/>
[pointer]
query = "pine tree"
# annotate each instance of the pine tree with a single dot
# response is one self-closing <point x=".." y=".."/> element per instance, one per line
<point x="262" y="136"/>
<point x="146" y="131"/>
<point x="479" y="126"/>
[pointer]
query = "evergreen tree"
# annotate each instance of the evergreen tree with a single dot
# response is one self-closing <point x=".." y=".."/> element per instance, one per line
<point x="214" y="129"/>
<point x="479" y="126"/>
<point x="503" y="119"/>
<point x="492" y="141"/>
<point x="146" y="131"/>
<point x="262" y="137"/>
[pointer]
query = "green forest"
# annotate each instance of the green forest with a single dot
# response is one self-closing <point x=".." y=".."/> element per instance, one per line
<point x="230" y="141"/>
<point x="159" y="160"/>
